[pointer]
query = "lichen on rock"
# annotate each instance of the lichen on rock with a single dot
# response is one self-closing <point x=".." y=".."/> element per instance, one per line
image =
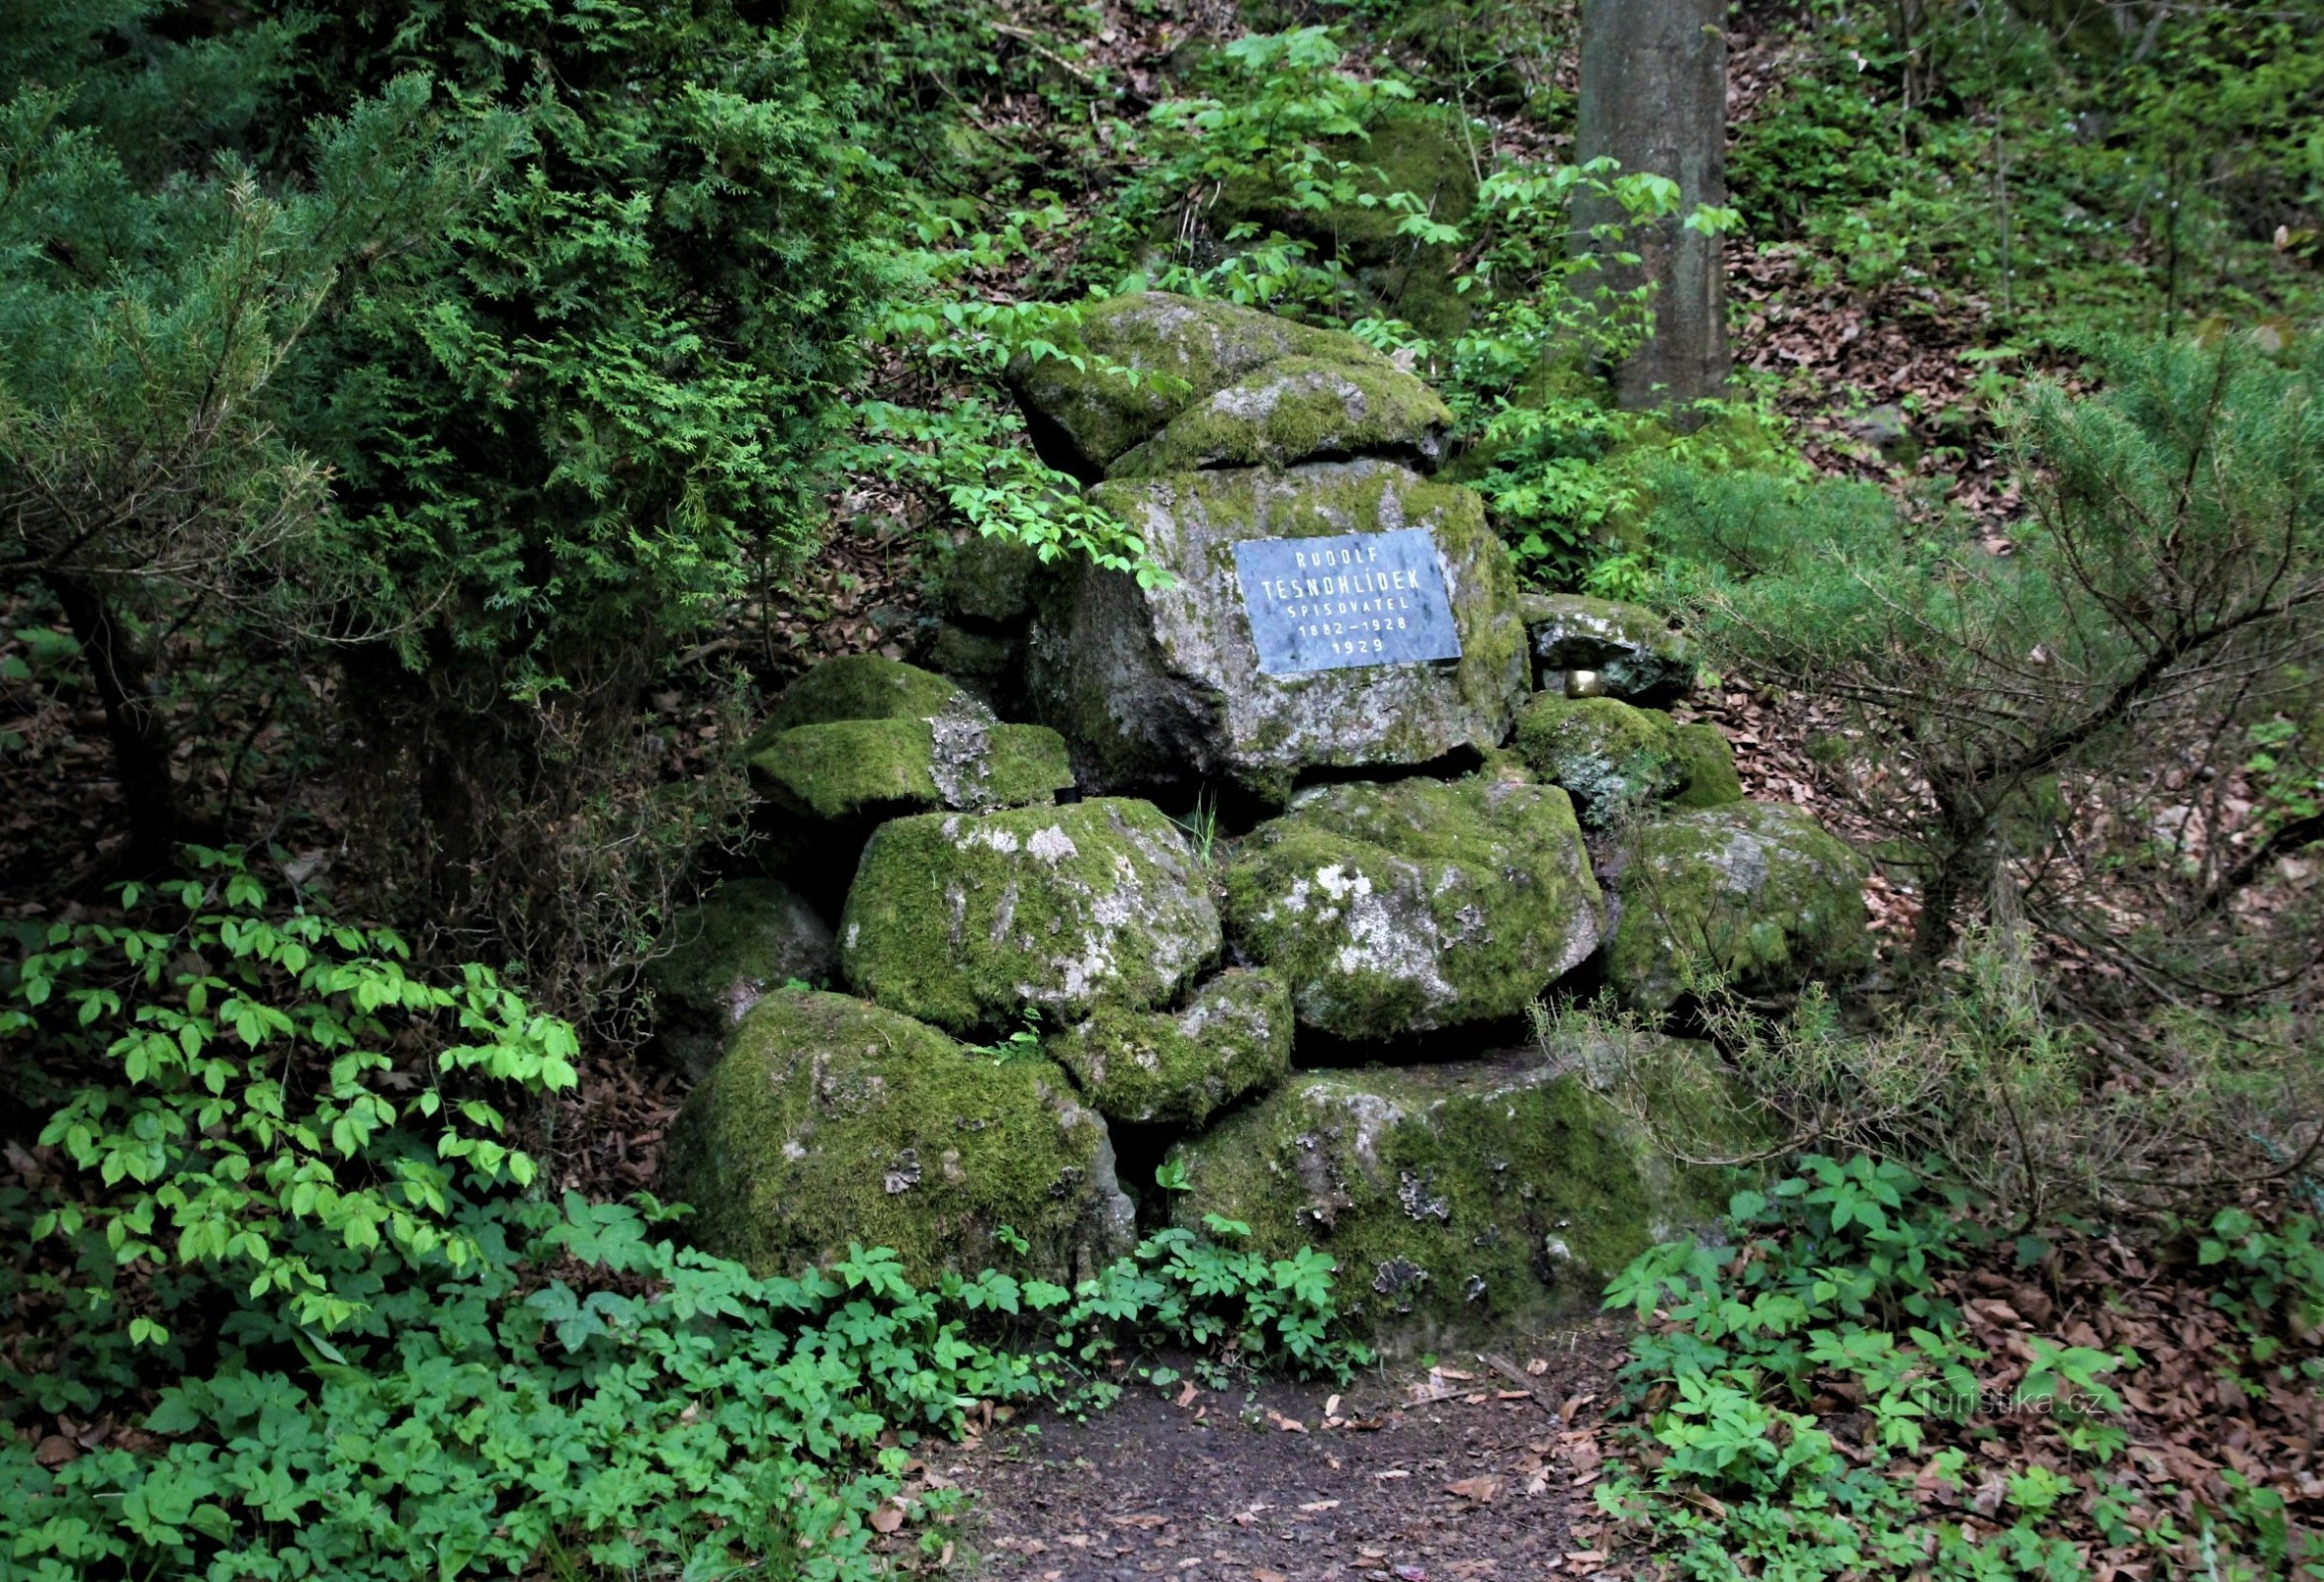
<point x="963" y="920"/>
<point x="832" y="1121"/>
<point x="1617" y="761"/>
<point x="1635" y="655"/>
<point x="1417" y="905"/>
<point x="1232" y="1039"/>
<point x="747" y="938"/>
<point x="1457" y="1199"/>
<point x="1756" y="892"/>
<point x="1156" y="685"/>
<point x="1299" y="410"/>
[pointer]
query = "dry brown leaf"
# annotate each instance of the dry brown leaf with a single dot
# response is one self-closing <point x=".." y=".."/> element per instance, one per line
<point x="1480" y="1489"/>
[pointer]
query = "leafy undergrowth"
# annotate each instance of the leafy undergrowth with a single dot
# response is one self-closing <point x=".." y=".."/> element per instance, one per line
<point x="650" y="1411"/>
<point x="285" y="1306"/>
<point x="1873" y="1383"/>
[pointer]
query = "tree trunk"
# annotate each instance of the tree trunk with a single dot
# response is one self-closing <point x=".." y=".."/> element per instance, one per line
<point x="140" y="747"/>
<point x="1654" y="97"/>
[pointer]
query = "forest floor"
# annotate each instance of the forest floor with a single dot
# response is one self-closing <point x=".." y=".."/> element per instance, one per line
<point x="1412" y="1473"/>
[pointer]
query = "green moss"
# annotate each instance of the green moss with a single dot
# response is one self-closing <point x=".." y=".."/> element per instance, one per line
<point x="833" y="1121"/>
<point x="1457" y="1199"/>
<point x="860" y="686"/>
<point x="963" y="920"/>
<point x="986" y="665"/>
<point x="1757" y="892"/>
<point x="848" y="768"/>
<point x="1402" y="908"/>
<point x="851" y="770"/>
<point x="747" y="938"/>
<point x="1618" y="761"/>
<point x="1613" y="758"/>
<point x="1297" y="409"/>
<point x="1181" y="348"/>
<point x="1234" y="1039"/>
<point x="988" y="580"/>
<point x="1705" y="765"/>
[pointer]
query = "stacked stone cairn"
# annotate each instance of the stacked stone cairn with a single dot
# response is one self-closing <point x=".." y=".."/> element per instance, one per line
<point x="1314" y="1017"/>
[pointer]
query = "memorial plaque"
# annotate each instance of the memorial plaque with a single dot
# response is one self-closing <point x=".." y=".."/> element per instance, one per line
<point x="1354" y="600"/>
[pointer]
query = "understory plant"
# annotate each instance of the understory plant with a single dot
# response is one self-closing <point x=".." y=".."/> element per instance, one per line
<point x="276" y="1248"/>
<point x="1993" y="1088"/>
<point x="1806" y="1402"/>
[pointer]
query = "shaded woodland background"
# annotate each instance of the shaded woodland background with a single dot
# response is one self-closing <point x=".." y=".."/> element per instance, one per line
<point x="430" y="436"/>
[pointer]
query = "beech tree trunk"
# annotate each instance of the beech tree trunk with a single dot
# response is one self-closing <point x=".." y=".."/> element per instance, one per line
<point x="1654" y="96"/>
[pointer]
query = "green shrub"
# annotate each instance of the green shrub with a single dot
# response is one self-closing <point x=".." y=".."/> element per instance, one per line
<point x="262" y="1099"/>
<point x="281" y="1235"/>
<point x="2164" y="597"/>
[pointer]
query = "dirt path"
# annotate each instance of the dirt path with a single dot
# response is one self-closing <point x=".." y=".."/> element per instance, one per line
<point x="1414" y="1474"/>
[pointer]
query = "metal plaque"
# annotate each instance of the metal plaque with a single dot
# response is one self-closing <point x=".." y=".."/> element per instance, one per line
<point x="1354" y="599"/>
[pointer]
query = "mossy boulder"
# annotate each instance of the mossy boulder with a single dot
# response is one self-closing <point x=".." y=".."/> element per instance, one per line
<point x="1299" y="410"/>
<point x="988" y="580"/>
<point x="1404" y="907"/>
<point x="1636" y="655"/>
<point x="1232" y="1039"/>
<point x="1157" y="686"/>
<point x="989" y="666"/>
<point x="1616" y="760"/>
<point x="1419" y="150"/>
<point x="860" y="770"/>
<point x="832" y="1121"/>
<point x="1458" y="1200"/>
<point x="1757" y="892"/>
<point x="862" y="686"/>
<point x="1181" y="349"/>
<point x="747" y="938"/>
<point x="963" y="920"/>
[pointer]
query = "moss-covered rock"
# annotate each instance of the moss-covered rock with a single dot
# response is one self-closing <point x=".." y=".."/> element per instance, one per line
<point x="989" y="666"/>
<point x="964" y="919"/>
<point x="832" y="1121"/>
<point x="858" y="770"/>
<point x="1457" y="1199"/>
<point x="1706" y="762"/>
<point x="1299" y="410"/>
<point x="1162" y="685"/>
<point x="1234" y="1039"/>
<point x="1636" y="655"/>
<point x="988" y="580"/>
<point x="862" y="686"/>
<point x="1402" y="908"/>
<point x="1181" y="349"/>
<point x="1618" y="761"/>
<point x="747" y="938"/>
<point x="1757" y="892"/>
<point x="1419" y="150"/>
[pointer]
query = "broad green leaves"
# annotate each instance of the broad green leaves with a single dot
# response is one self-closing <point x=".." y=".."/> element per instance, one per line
<point x="251" y="1093"/>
